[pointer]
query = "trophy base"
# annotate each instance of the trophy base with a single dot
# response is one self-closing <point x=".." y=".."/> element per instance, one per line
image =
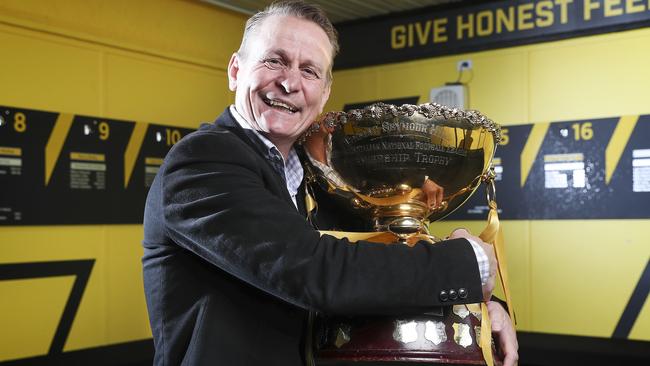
<point x="449" y="337"/>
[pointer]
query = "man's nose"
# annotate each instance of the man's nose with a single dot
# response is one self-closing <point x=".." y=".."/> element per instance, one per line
<point x="290" y="80"/>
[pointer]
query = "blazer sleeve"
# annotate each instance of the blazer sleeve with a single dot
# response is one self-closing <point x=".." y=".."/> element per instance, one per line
<point x="218" y="204"/>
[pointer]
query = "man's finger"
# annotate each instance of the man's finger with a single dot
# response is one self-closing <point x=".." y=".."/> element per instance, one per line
<point x="509" y="348"/>
<point x="510" y="359"/>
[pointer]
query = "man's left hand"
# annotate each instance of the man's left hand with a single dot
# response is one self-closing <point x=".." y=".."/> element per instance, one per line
<point x="504" y="333"/>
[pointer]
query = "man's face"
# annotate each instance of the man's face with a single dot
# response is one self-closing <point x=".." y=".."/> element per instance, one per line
<point x="280" y="82"/>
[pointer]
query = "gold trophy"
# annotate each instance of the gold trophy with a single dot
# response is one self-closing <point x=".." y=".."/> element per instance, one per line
<point x="401" y="167"/>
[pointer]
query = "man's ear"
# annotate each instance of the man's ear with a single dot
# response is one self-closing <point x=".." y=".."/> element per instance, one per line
<point x="233" y="71"/>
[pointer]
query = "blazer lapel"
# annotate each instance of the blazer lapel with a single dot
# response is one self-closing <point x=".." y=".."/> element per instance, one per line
<point x="227" y="121"/>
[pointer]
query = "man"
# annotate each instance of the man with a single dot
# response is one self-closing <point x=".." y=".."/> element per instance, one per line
<point x="231" y="266"/>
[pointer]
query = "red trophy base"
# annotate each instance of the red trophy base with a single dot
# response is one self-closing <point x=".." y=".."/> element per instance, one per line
<point x="449" y="337"/>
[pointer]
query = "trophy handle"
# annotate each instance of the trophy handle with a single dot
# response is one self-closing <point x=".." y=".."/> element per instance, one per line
<point x="490" y="188"/>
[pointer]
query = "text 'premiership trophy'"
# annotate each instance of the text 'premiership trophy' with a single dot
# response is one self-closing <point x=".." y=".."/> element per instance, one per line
<point x="401" y="167"/>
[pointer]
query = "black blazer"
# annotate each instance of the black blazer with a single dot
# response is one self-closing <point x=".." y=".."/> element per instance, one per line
<point x="231" y="267"/>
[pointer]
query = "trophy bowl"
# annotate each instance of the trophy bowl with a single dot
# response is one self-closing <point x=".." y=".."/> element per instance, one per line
<point x="402" y="166"/>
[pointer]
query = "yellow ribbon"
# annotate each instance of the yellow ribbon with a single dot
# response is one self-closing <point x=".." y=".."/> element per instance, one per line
<point x="486" y="336"/>
<point x="310" y="202"/>
<point x="493" y="234"/>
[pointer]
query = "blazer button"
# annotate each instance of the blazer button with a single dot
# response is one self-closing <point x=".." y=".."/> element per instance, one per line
<point x="453" y="295"/>
<point x="462" y="293"/>
<point x="444" y="296"/>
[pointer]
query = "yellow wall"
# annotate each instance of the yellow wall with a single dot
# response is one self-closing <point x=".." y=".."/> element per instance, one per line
<point x="160" y="61"/>
<point x="567" y="276"/>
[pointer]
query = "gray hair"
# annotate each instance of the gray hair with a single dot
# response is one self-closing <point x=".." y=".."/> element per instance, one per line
<point x="298" y="9"/>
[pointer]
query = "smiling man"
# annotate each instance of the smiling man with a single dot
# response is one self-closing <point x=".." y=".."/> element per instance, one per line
<point x="233" y="271"/>
<point x="282" y="77"/>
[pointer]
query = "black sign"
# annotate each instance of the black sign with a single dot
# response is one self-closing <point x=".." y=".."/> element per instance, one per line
<point x="444" y="31"/>
<point x="587" y="169"/>
<point x="58" y="168"/>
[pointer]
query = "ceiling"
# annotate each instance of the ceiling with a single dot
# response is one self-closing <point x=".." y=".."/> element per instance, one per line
<point x="337" y="10"/>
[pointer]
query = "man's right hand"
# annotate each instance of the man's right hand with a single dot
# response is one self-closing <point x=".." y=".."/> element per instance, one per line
<point x="488" y="285"/>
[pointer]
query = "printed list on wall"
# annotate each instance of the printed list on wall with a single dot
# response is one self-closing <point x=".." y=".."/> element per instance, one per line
<point x="586" y="169"/>
<point x="58" y="168"/>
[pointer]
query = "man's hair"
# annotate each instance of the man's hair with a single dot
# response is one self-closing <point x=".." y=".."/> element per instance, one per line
<point x="298" y="9"/>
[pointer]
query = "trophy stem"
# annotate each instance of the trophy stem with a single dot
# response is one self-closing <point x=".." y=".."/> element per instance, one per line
<point x="405" y="221"/>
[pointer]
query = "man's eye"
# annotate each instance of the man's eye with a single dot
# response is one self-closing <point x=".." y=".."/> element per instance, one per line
<point x="273" y="63"/>
<point x="310" y="74"/>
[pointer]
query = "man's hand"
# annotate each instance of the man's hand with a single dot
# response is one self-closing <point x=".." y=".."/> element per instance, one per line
<point x="488" y="286"/>
<point x="504" y="333"/>
<point x="433" y="194"/>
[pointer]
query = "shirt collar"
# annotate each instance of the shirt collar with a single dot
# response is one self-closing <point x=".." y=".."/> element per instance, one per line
<point x="293" y="172"/>
<point x="243" y="123"/>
